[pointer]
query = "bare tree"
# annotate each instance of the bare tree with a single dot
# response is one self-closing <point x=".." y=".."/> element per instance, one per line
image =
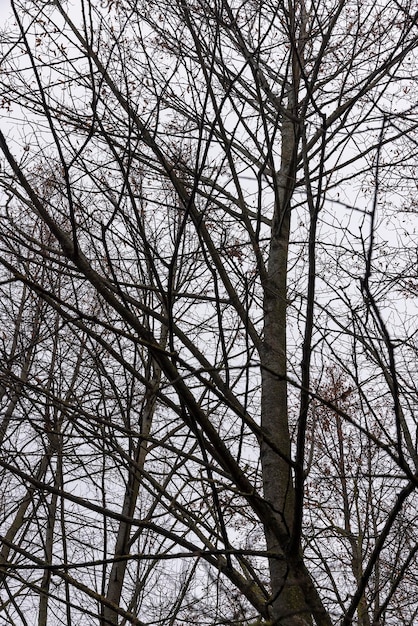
<point x="208" y="386"/>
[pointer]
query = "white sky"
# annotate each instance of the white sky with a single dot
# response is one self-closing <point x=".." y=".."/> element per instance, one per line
<point x="5" y="12"/>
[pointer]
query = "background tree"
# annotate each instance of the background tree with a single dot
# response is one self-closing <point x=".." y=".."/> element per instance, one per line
<point x="209" y="283"/>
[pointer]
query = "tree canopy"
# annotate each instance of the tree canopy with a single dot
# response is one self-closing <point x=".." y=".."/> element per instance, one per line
<point x="208" y="372"/>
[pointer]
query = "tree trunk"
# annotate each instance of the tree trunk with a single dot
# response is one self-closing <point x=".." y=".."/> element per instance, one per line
<point x="288" y="606"/>
<point x="118" y="571"/>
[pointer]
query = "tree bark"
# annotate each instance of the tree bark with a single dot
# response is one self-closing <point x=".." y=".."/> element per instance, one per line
<point x="288" y="605"/>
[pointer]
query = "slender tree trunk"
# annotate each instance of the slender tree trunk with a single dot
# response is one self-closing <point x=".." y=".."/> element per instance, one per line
<point x="20" y="516"/>
<point x="118" y="571"/>
<point x="49" y="545"/>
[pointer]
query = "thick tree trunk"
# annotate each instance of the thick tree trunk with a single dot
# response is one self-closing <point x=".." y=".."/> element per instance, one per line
<point x="287" y="605"/>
